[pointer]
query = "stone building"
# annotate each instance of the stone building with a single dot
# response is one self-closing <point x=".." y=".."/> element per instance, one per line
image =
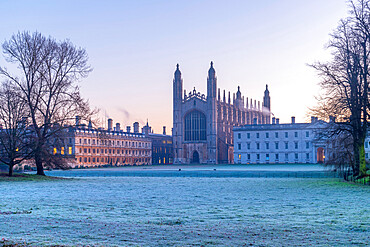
<point x="203" y="124"/>
<point x="162" y="148"/>
<point x="281" y="143"/>
<point x="90" y="147"/>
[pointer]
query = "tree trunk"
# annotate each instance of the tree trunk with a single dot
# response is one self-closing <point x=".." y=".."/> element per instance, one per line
<point x="356" y="154"/>
<point x="10" y="170"/>
<point x="362" y="161"/>
<point x="38" y="162"/>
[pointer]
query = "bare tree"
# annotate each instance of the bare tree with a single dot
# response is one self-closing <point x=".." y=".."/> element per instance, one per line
<point x="14" y="134"/>
<point x="49" y="70"/>
<point x="345" y="79"/>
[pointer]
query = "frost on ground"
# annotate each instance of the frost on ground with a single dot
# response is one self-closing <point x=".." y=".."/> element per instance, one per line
<point x="185" y="211"/>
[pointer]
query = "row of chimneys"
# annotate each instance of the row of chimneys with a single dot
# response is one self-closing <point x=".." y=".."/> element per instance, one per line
<point x="277" y="120"/>
<point x="118" y="126"/>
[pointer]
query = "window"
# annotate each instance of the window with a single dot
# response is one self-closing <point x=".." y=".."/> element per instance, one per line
<point x="286" y="156"/>
<point x="240" y="156"/>
<point x="248" y="156"/>
<point x="85" y="150"/>
<point x="239" y="146"/>
<point x="286" y="145"/>
<point x="258" y="156"/>
<point x="276" y="134"/>
<point x="307" y="134"/>
<point x="307" y="155"/>
<point x="267" y="145"/>
<point x="366" y="144"/>
<point x="276" y="156"/>
<point x="54" y="150"/>
<point x="276" y="145"/>
<point x="267" y="156"/>
<point x="248" y="145"/>
<point x="296" y="145"/>
<point x="258" y="135"/>
<point x="195" y="126"/>
<point x="248" y="135"/>
<point x="286" y="134"/>
<point x="267" y="135"/>
<point x="239" y="135"/>
<point x="69" y="150"/>
<point x="296" y="134"/>
<point x="307" y="145"/>
<point x="258" y="145"/>
<point x="366" y="155"/>
<point x="296" y="156"/>
<point x="62" y="150"/>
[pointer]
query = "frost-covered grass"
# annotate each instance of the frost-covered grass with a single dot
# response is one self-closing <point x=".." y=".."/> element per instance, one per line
<point x="26" y="177"/>
<point x="156" y="210"/>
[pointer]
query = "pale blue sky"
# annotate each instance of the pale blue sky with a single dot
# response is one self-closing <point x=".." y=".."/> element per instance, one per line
<point x="134" y="46"/>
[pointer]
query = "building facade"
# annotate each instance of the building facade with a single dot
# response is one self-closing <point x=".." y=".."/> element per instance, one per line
<point x="203" y="124"/>
<point x="86" y="146"/>
<point x="162" y="147"/>
<point x="280" y="143"/>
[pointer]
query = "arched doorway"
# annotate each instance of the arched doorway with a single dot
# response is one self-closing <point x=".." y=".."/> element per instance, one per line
<point x="320" y="155"/>
<point x="195" y="159"/>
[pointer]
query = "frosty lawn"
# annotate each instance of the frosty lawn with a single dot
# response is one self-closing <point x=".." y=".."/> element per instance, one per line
<point x="183" y="210"/>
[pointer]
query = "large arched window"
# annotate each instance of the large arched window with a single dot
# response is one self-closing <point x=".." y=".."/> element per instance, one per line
<point x="195" y="126"/>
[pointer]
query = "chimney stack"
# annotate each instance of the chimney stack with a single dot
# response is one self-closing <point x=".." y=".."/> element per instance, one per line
<point x="118" y="127"/>
<point x="164" y="130"/>
<point x="293" y="120"/>
<point x="110" y="124"/>
<point x="136" y="127"/>
<point x="273" y="120"/>
<point x="78" y="120"/>
<point x="128" y="129"/>
<point x="277" y="121"/>
<point x="255" y="120"/>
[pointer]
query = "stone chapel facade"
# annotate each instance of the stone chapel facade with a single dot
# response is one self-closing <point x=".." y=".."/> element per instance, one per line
<point x="203" y="124"/>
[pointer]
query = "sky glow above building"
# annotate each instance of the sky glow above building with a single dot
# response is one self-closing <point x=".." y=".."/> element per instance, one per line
<point x="134" y="47"/>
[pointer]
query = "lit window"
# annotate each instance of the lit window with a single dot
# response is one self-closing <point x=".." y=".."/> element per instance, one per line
<point x="69" y="150"/>
<point x="62" y="151"/>
<point x="54" y="150"/>
<point x="240" y="156"/>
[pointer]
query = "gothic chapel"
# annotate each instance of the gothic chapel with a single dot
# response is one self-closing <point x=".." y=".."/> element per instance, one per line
<point x="202" y="125"/>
